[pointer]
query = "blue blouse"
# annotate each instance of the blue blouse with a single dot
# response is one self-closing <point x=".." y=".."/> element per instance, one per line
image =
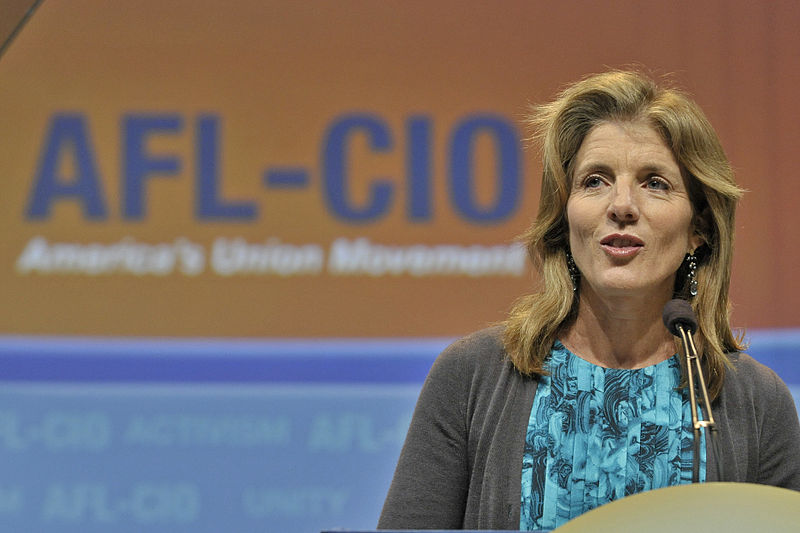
<point x="598" y="434"/>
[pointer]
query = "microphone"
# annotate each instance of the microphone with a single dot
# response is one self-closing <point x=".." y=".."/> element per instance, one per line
<point x="679" y="312"/>
<point x="680" y="320"/>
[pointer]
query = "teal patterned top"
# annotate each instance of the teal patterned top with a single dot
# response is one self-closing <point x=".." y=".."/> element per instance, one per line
<point x="598" y="434"/>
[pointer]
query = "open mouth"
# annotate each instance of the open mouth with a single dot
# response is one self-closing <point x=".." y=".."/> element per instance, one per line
<point x="621" y="245"/>
<point x="620" y="241"/>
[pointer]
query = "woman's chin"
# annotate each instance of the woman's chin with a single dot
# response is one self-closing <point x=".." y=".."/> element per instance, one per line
<point x="631" y="288"/>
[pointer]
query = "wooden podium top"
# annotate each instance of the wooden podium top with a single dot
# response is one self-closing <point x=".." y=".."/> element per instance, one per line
<point x="711" y="507"/>
<point x="726" y="507"/>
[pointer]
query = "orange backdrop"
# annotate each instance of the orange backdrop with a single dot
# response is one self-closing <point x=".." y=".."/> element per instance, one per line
<point x="273" y="79"/>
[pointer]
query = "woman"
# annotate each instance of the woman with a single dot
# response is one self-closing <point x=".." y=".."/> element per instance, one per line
<point x="578" y="398"/>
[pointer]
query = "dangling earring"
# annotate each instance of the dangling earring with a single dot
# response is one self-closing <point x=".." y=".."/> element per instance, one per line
<point x="691" y="277"/>
<point x="574" y="273"/>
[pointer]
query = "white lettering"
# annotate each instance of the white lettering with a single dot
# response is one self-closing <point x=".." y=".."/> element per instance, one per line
<point x="124" y="257"/>
<point x="237" y="256"/>
<point x="294" y="502"/>
<point x="201" y="430"/>
<point x="363" y="257"/>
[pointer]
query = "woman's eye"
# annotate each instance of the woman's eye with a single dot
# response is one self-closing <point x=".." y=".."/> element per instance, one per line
<point x="657" y="183"/>
<point x="593" y="182"/>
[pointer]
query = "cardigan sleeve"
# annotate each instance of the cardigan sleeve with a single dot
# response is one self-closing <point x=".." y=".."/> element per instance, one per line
<point x="430" y="484"/>
<point x="760" y="432"/>
<point x="779" y="453"/>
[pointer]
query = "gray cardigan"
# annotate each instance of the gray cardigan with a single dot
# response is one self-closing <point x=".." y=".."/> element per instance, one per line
<point x="461" y="463"/>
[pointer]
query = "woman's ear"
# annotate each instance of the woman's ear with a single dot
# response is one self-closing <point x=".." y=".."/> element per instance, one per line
<point x="701" y="228"/>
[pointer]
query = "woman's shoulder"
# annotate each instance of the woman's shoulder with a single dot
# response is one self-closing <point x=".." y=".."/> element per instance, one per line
<point x="480" y="352"/>
<point x="747" y="377"/>
<point x="478" y="347"/>
<point x="468" y="368"/>
<point x="748" y="370"/>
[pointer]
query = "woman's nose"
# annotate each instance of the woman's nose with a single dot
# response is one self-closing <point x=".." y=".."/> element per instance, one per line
<point x="623" y="207"/>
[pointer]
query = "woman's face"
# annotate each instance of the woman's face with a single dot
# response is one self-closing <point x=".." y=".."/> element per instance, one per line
<point x="629" y="214"/>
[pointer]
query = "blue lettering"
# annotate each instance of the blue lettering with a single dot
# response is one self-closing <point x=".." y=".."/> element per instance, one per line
<point x="137" y="165"/>
<point x="208" y="204"/>
<point x="334" y="168"/>
<point x="508" y="168"/>
<point x="67" y="135"/>
<point x="418" y="163"/>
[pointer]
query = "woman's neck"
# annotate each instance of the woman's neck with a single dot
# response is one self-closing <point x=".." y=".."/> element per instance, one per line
<point x="625" y="332"/>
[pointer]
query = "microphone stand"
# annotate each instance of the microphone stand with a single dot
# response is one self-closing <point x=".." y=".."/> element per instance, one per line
<point x="692" y="366"/>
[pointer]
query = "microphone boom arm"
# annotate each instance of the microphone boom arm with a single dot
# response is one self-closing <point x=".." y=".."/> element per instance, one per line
<point x="693" y="366"/>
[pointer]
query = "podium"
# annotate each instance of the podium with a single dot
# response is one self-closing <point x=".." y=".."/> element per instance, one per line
<point x="711" y="507"/>
<point x="727" y="507"/>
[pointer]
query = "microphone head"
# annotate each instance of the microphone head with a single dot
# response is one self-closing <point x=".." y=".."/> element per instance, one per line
<point x="677" y="312"/>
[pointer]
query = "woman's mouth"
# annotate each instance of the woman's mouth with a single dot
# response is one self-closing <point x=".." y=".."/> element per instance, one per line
<point x="617" y="245"/>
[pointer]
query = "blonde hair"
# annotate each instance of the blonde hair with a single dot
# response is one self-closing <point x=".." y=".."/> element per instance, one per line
<point x="560" y="127"/>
